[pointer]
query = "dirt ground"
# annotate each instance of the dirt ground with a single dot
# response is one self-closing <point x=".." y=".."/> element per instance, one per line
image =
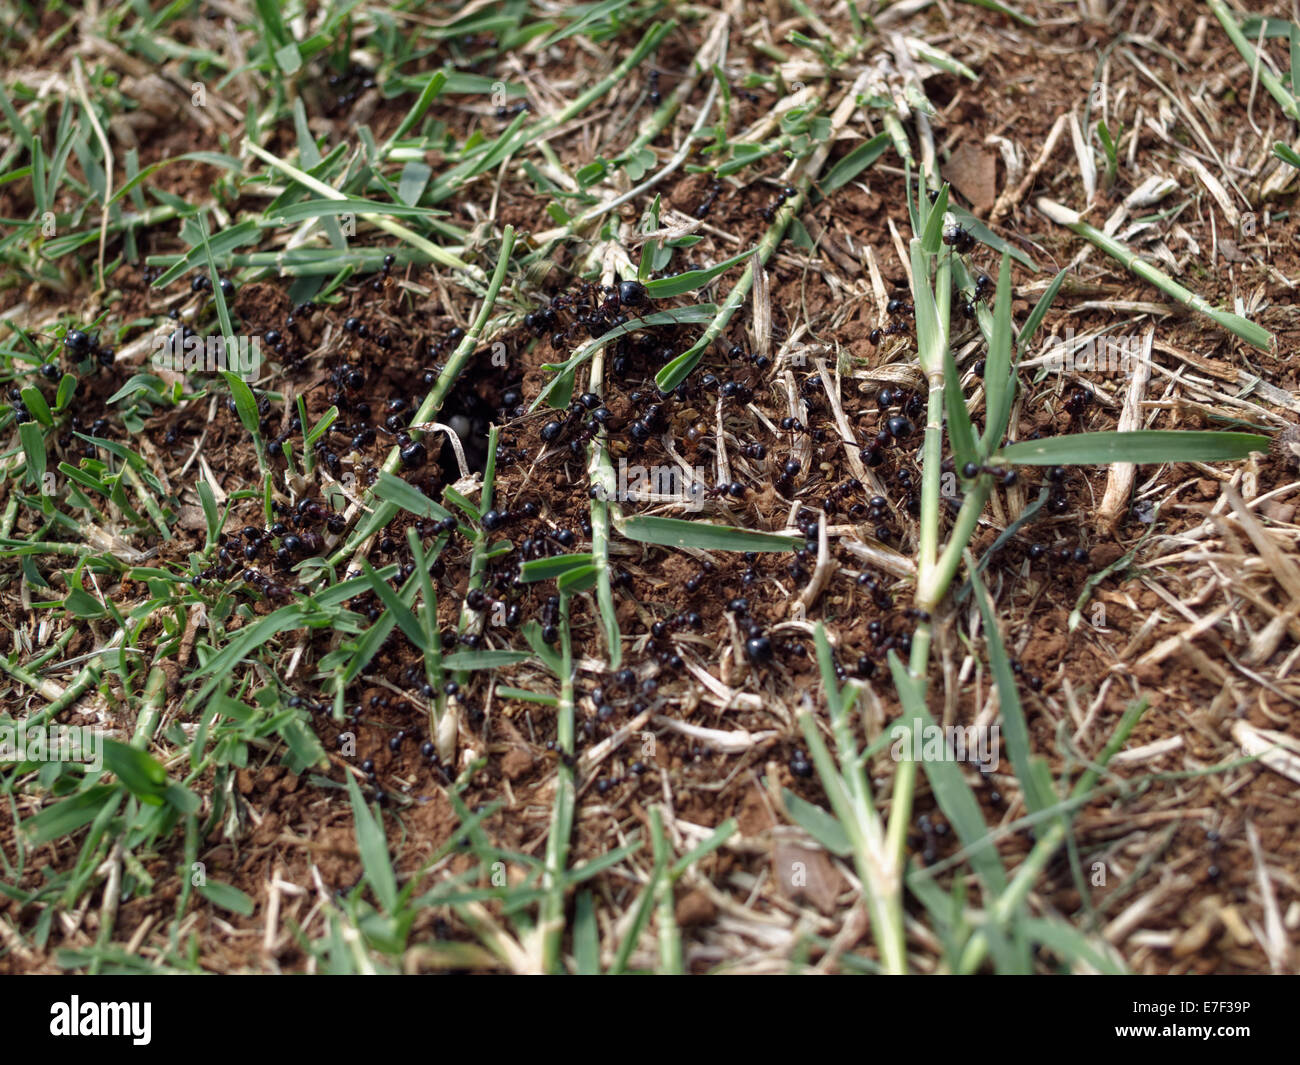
<point x="1186" y="857"/>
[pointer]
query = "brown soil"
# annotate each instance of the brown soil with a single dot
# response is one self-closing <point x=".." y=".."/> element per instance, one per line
<point x="1148" y="828"/>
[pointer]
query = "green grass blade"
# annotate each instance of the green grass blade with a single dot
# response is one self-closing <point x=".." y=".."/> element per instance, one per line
<point x="984" y="235"/>
<point x="677" y="532"/>
<point x="564" y="371"/>
<point x="1004" y="9"/>
<point x="33" y="441"/>
<point x="228" y="897"/>
<point x="1072" y="945"/>
<point x="138" y="771"/>
<point x="1285" y="100"/>
<point x="545" y="569"/>
<point x="690" y="280"/>
<point x="578" y="579"/>
<point x="1249" y="331"/>
<point x="854" y="163"/>
<point x="373" y="846"/>
<point x="932" y="236"/>
<point x="245" y="401"/>
<point x="1140" y="446"/>
<point x="392" y="489"/>
<point x="951" y="792"/>
<point x="931" y="340"/>
<point x="402" y="615"/>
<point x="1040" y="310"/>
<point x="484" y="659"/>
<point x="999" y="372"/>
<point x="824" y="828"/>
<point x="428" y="94"/>
<point x="1014" y="729"/>
<point x="586" y="936"/>
<point x="960" y="431"/>
<point x="707" y="846"/>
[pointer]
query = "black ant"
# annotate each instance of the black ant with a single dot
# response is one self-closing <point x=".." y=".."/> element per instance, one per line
<point x="651" y="418"/>
<point x="957" y="237"/>
<point x="836" y="496"/>
<point x="734" y="489"/>
<point x="504" y="112"/>
<point x="1077" y="403"/>
<point x="588" y="422"/>
<point x="898" y="309"/>
<point x="769" y="212"/>
<point x="706" y="204"/>
<point x="86" y="345"/>
<point x="595" y="309"/>
<point x="271" y="589"/>
<point x="1058" y="502"/>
